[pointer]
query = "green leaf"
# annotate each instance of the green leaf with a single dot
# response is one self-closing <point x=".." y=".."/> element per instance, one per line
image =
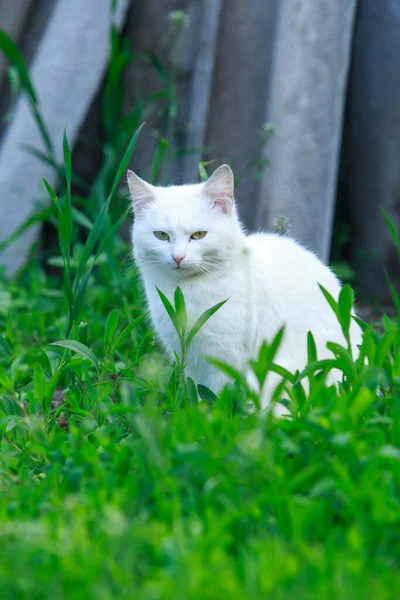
<point x="67" y="282"/>
<point x="110" y="328"/>
<point x="191" y="391"/>
<point x="274" y="368"/>
<point x="157" y="160"/>
<point x="79" y="349"/>
<point x="40" y="382"/>
<point x="64" y="221"/>
<point x="101" y="217"/>
<point x="362" y="324"/>
<point x="91" y="242"/>
<point x="312" y="357"/>
<point x="372" y="377"/>
<point x="344" y="360"/>
<point x="202" y="320"/>
<point x="170" y="310"/>
<point x="67" y="200"/>
<point x="361" y="404"/>
<point x="44" y="158"/>
<point x="51" y="388"/>
<point x="67" y="159"/>
<point x="180" y="310"/>
<point x="15" y="88"/>
<point x="5" y="345"/>
<point x="52" y="194"/>
<point x="15" y="57"/>
<point x="204" y="163"/>
<point x="158" y="65"/>
<point x="81" y="219"/>
<point x="206" y="394"/>
<point x="275" y="344"/>
<point x="112" y="232"/>
<point x="63" y="234"/>
<point x="384" y="345"/>
<point x="126" y="159"/>
<point x="266" y="355"/>
<point x="392" y="230"/>
<point x="320" y="365"/>
<point x="202" y="172"/>
<point x="39" y="216"/>
<point x="154" y="453"/>
<point x="331" y="301"/>
<point x="230" y="371"/>
<point x="128" y="329"/>
<point x="395" y="296"/>
<point x="311" y="348"/>
<point x="345" y="305"/>
<point x="53" y="359"/>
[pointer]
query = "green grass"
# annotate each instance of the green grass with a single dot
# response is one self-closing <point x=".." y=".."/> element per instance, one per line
<point x="129" y="488"/>
<point x="116" y="483"/>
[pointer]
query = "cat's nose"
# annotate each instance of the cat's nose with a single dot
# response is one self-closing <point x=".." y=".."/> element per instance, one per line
<point x="178" y="258"/>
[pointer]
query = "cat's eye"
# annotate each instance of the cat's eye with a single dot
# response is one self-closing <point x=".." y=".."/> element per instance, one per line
<point x="198" y="235"/>
<point x="161" y="235"/>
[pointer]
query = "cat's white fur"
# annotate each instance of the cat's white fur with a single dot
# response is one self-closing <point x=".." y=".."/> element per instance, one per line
<point x="270" y="280"/>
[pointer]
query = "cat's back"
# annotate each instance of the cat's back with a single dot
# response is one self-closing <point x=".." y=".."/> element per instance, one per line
<point x="285" y="269"/>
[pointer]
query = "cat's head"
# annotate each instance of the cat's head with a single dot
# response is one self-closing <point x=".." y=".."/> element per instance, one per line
<point x="186" y="230"/>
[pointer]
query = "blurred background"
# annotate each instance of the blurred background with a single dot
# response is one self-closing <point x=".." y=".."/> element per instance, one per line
<point x="300" y="97"/>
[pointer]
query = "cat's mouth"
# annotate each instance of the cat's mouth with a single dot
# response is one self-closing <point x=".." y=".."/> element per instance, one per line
<point x="183" y="268"/>
<point x="180" y="267"/>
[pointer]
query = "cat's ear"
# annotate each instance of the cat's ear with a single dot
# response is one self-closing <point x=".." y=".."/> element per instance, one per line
<point x="141" y="192"/>
<point x="219" y="188"/>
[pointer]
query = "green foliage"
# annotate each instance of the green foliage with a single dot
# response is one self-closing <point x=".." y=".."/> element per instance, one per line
<point x="131" y="486"/>
<point x="12" y="52"/>
<point x="179" y="319"/>
<point x="121" y="478"/>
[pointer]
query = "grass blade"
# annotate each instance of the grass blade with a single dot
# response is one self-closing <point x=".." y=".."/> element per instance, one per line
<point x="5" y="345"/>
<point x="345" y="305"/>
<point x="180" y="309"/>
<point x="331" y="301"/>
<point x="392" y="230"/>
<point x="311" y="348"/>
<point x="91" y="242"/>
<point x="39" y="217"/>
<point x="80" y="294"/>
<point x="395" y="296"/>
<point x="110" y="328"/>
<point x="15" y="57"/>
<point x="170" y="310"/>
<point x="126" y="158"/>
<point x="79" y="349"/>
<point x="40" y="383"/>
<point x="202" y="320"/>
<point x="67" y="159"/>
<point x="157" y="161"/>
<point x="52" y="194"/>
<point x="128" y="329"/>
<point x="206" y="394"/>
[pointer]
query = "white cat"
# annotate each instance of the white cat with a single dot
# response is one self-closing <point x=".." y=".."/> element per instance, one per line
<point x="191" y="236"/>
